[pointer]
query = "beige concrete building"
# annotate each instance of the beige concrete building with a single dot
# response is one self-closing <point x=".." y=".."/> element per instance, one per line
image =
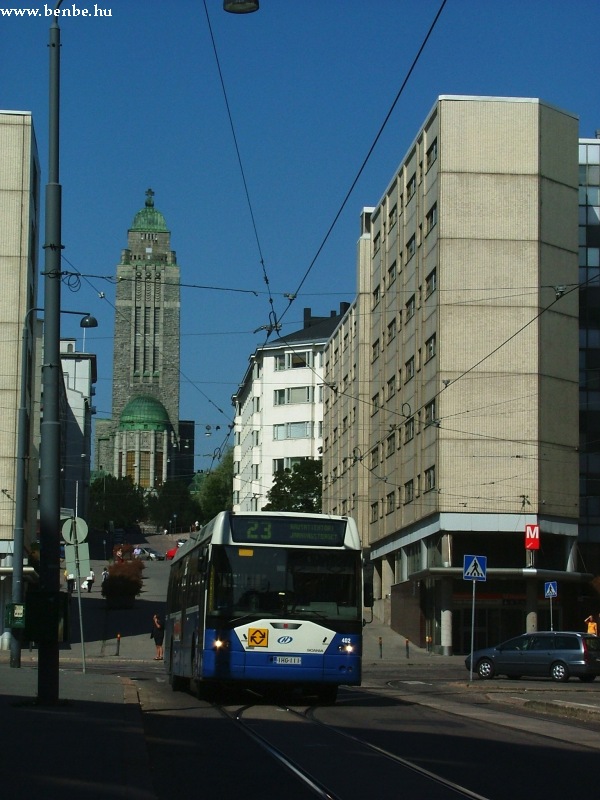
<point x="19" y="236"/>
<point x="457" y="419"/>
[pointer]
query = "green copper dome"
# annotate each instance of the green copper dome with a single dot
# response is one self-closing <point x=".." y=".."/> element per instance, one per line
<point x="144" y="413"/>
<point x="149" y="219"/>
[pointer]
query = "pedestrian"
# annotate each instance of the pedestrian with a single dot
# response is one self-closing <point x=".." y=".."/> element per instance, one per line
<point x="90" y="580"/>
<point x="592" y="625"/>
<point x="70" y="583"/>
<point x="104" y="574"/>
<point x="158" y="634"/>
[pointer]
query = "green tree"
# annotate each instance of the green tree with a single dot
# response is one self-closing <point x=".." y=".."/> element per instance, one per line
<point x="297" y="489"/>
<point x="216" y="489"/>
<point x="174" y="498"/>
<point x="116" y="500"/>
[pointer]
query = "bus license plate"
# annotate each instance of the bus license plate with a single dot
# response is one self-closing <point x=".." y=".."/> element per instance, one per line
<point x="288" y="660"/>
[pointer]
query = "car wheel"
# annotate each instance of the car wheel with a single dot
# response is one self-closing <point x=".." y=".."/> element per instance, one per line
<point x="559" y="672"/>
<point x="485" y="669"/>
<point x="586" y="678"/>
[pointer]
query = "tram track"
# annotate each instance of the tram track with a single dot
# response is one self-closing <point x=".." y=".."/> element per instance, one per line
<point x="312" y="735"/>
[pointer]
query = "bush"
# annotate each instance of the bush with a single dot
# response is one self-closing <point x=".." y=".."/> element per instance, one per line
<point x="124" y="579"/>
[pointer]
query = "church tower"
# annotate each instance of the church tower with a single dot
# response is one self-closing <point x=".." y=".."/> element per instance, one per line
<point x="143" y="439"/>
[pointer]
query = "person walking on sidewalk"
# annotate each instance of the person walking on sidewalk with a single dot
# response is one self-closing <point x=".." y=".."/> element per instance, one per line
<point x="90" y="580"/>
<point x="158" y="634"/>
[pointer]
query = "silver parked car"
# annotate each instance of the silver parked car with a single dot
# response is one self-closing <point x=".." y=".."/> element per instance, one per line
<point x="544" y="654"/>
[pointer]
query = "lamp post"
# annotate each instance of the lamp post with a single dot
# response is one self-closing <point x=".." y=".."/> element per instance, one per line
<point x="48" y="663"/>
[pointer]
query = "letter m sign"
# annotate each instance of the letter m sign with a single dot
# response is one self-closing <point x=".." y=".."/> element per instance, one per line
<point x="532" y="537"/>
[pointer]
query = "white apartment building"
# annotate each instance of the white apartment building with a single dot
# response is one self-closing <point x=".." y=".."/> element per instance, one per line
<point x="79" y="376"/>
<point x="279" y="409"/>
<point x="466" y="364"/>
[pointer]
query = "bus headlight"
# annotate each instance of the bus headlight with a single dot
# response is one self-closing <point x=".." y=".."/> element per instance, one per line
<point x="346" y="648"/>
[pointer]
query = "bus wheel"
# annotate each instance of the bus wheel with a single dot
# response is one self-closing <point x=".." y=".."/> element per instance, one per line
<point x="327" y="694"/>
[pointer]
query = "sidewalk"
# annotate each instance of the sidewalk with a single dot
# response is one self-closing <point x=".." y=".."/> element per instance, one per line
<point x="90" y="745"/>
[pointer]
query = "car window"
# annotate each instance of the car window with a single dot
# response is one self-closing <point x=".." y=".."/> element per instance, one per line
<point x="541" y="643"/>
<point x="567" y="642"/>
<point x="593" y="643"/>
<point x="520" y="643"/>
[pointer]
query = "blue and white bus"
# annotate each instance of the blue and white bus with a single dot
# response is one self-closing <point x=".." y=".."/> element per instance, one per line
<point x="267" y="598"/>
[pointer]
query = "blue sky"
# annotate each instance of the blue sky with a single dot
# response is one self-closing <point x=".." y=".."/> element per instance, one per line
<point x="309" y="85"/>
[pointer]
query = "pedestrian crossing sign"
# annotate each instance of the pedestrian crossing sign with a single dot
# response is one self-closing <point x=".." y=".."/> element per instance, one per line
<point x="474" y="568"/>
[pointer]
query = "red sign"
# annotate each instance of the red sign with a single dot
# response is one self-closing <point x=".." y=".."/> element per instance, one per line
<point x="532" y="537"/>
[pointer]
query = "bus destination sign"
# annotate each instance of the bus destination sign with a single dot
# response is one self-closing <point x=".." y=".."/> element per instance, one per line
<point x="282" y="531"/>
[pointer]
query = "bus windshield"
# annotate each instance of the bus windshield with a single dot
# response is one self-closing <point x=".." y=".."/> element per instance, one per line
<point x="276" y="581"/>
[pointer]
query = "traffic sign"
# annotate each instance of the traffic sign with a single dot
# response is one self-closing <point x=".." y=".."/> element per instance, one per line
<point x="550" y="589"/>
<point x="474" y="568"/>
<point x="74" y="530"/>
<point x="532" y="537"/>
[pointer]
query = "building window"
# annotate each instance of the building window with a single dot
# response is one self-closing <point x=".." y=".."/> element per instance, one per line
<point x="392" y="217"/>
<point x="429" y="479"/>
<point x="279" y="362"/>
<point x="430" y="283"/>
<point x="391" y="330"/>
<point x="375" y="402"/>
<point x="409" y="492"/>
<point x="409" y="369"/>
<point x="391" y="273"/>
<point x="430" y="416"/>
<point x="278" y="465"/>
<point x="409" y="430"/>
<point x="374" y="457"/>
<point x="390" y="502"/>
<point x="374" y="512"/>
<point x="295" y="394"/>
<point x="431" y="155"/>
<point x="376" y="296"/>
<point x="375" y="350"/>
<point x="377" y="243"/>
<point x="299" y="360"/>
<point x="431" y="219"/>
<point x="430" y="348"/>
<point x="391" y="388"/>
<point x="292" y="430"/>
<point x="411" y="186"/>
<point x="390" y="445"/>
<point x="411" y="248"/>
<point x="410" y="308"/>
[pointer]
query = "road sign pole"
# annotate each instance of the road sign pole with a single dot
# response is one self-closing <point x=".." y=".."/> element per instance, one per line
<point x="551" y="623"/>
<point x="78" y="578"/>
<point x="472" y="633"/>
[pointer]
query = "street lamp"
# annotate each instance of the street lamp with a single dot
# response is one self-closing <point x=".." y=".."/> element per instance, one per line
<point x="87" y="321"/>
<point x="240" y="6"/>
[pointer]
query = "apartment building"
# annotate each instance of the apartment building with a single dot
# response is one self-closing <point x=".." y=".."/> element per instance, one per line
<point x="589" y="347"/>
<point x="19" y="237"/>
<point x="279" y="409"/>
<point x="468" y="372"/>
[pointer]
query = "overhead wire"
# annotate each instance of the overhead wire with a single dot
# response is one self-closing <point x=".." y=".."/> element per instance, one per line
<point x="361" y="169"/>
<point x="273" y="322"/>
